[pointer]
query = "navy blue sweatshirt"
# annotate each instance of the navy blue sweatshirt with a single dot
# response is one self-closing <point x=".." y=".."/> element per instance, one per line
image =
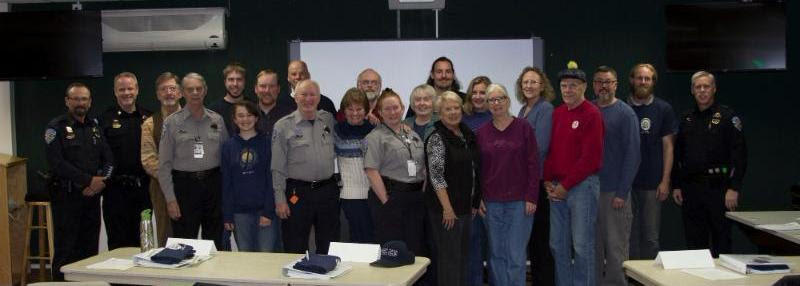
<point x="246" y="177"/>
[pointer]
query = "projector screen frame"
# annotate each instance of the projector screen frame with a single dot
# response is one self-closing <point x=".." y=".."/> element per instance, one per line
<point x="536" y="54"/>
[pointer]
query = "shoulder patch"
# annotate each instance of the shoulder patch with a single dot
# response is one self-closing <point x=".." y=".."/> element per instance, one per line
<point x="49" y="135"/>
<point x="737" y="122"/>
<point x="274" y="136"/>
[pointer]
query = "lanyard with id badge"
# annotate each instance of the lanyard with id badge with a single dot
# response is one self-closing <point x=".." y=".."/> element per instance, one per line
<point x="197" y="150"/>
<point x="411" y="165"/>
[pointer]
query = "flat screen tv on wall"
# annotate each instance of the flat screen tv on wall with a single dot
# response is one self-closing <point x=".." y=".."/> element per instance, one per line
<point x="726" y="36"/>
<point x="51" y="45"/>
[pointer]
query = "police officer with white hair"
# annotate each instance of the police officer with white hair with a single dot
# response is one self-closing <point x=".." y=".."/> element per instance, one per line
<point x="710" y="162"/>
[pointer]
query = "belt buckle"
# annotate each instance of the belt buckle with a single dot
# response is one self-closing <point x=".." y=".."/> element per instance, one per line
<point x="315" y="184"/>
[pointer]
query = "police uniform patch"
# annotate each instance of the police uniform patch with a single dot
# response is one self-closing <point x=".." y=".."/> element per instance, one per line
<point x="645" y="124"/>
<point x="49" y="135"/>
<point x="737" y="123"/>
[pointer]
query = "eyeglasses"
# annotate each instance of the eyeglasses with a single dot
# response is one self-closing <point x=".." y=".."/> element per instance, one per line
<point x="497" y="100"/>
<point x="604" y="82"/>
<point x="531" y="82"/>
<point x="168" y="88"/>
<point x="193" y="89"/>
<point x="369" y="82"/>
<point x="79" y="99"/>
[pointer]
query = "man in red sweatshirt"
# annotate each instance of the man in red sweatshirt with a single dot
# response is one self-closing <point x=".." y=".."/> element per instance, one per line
<point x="571" y="181"/>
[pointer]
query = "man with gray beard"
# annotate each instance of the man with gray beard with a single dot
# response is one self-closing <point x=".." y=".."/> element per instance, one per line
<point x="370" y="82"/>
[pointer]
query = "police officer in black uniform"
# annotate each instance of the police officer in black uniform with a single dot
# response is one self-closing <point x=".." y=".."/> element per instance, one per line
<point x="710" y="162"/>
<point x="126" y="195"/>
<point x="81" y="162"/>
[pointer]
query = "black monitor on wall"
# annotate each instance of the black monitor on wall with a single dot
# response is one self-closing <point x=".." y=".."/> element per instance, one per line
<point x="52" y="44"/>
<point x="726" y="36"/>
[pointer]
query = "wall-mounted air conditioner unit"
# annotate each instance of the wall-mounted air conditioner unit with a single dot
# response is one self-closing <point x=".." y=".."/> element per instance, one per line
<point x="163" y="29"/>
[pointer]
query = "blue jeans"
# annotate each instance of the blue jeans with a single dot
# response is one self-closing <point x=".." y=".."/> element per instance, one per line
<point x="477" y="251"/>
<point x="509" y="230"/>
<point x="572" y="226"/>
<point x="252" y="237"/>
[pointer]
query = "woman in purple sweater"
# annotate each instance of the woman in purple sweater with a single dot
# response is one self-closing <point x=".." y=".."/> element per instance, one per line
<point x="510" y="184"/>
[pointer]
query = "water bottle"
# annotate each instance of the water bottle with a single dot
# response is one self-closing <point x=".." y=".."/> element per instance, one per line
<point x="146" y="237"/>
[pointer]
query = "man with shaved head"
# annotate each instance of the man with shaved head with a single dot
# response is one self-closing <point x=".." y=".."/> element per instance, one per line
<point x="297" y="71"/>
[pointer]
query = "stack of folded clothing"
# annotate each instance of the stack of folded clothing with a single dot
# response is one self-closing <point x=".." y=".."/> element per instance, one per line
<point x="317" y="263"/>
<point x="173" y="254"/>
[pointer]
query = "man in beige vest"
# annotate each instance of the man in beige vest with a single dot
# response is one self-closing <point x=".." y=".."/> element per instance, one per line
<point x="169" y="93"/>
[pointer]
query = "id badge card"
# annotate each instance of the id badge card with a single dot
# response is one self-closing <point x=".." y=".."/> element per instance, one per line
<point x="198" y="151"/>
<point x="412" y="168"/>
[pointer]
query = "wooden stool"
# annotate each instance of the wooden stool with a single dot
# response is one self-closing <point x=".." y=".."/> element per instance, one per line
<point x="45" y="222"/>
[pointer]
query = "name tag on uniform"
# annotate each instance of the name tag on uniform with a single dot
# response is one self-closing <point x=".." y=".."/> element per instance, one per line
<point x="412" y="168"/>
<point x="198" y="151"/>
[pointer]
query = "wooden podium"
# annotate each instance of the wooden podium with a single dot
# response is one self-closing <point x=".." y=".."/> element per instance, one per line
<point x="13" y="186"/>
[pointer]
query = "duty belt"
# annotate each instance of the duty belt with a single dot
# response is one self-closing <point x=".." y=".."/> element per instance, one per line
<point x="127" y="180"/>
<point x="718" y="170"/>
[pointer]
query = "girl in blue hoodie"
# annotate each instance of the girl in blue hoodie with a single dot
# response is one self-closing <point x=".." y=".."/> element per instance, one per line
<point x="248" y="202"/>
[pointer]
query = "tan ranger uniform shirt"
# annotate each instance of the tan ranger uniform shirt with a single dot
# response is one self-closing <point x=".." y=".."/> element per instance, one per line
<point x="387" y="153"/>
<point x="179" y="142"/>
<point x="301" y="151"/>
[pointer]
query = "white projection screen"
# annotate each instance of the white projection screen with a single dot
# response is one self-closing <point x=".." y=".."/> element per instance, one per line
<point x="404" y="64"/>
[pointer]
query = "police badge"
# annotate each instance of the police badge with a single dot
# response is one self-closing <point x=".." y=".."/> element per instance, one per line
<point x="70" y="134"/>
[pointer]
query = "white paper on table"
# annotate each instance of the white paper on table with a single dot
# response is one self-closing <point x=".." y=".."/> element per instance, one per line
<point x="112" y="263"/>
<point x="682" y="259"/>
<point x="201" y="247"/>
<point x="355" y="252"/>
<point x="713" y="274"/>
<point x="780" y="226"/>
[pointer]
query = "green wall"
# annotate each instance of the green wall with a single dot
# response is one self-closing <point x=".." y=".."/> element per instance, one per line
<point x="614" y="33"/>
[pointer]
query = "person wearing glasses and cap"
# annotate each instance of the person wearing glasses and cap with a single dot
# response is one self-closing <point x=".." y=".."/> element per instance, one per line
<point x="571" y="181"/>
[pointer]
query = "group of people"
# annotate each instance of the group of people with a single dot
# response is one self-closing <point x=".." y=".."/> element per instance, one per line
<point x="575" y="188"/>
